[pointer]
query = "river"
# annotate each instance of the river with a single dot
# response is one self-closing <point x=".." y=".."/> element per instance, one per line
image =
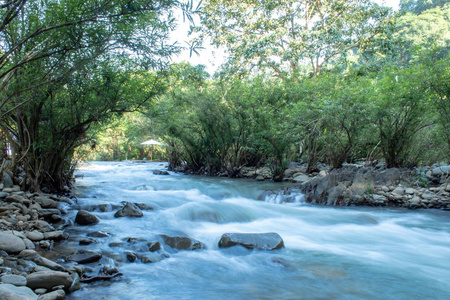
<point x="330" y="253"/>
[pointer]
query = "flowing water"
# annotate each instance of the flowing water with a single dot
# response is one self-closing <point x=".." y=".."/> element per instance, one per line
<point x="330" y="253"/>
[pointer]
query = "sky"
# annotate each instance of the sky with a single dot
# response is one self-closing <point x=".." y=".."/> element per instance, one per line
<point x="213" y="57"/>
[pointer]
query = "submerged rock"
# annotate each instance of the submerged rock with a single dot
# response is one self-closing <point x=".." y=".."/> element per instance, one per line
<point x="160" y="172"/>
<point x="182" y="242"/>
<point x="261" y="241"/>
<point x="85" y="218"/>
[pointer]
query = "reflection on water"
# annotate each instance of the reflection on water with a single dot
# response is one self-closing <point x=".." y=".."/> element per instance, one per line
<point x="330" y="253"/>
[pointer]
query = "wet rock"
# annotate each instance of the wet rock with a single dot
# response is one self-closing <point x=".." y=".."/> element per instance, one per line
<point x="98" y="234"/>
<point x="160" y="172"/>
<point x="152" y="257"/>
<point x="261" y="241"/>
<point x="154" y="246"/>
<point x="55" y="295"/>
<point x="144" y="206"/>
<point x="39" y="260"/>
<point x="129" y="210"/>
<point x="3" y="195"/>
<point x="86" y="241"/>
<point x="14" y="280"/>
<point x="182" y="242"/>
<point x="48" y="213"/>
<point x="259" y="178"/>
<point x="131" y="256"/>
<point x="56" y="235"/>
<point x="85" y="218"/>
<point x="12" y="292"/>
<point x="11" y="243"/>
<point x="48" y="280"/>
<point x="85" y="256"/>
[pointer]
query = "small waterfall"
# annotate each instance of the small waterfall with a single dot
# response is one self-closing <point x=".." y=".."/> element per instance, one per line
<point x="284" y="196"/>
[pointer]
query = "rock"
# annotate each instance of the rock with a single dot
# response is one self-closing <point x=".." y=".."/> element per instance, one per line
<point x="261" y="241"/>
<point x="48" y="280"/>
<point x="335" y="194"/>
<point x="144" y="206"/>
<point x="154" y="246"/>
<point x="84" y="256"/>
<point x="39" y="260"/>
<point x="7" y="180"/>
<point x="86" y="241"/>
<point x="131" y="256"/>
<point x="11" y="243"/>
<point x="160" y="172"/>
<point x="16" y="199"/>
<point x="301" y="178"/>
<point x="399" y="190"/>
<point x="47" y="213"/>
<point x="182" y="242"/>
<point x="55" y="295"/>
<point x="40" y="291"/>
<point x="152" y="257"/>
<point x="14" y="280"/>
<point x="56" y="235"/>
<point x="46" y="202"/>
<point x="385" y="188"/>
<point x="35" y="235"/>
<point x="410" y="191"/>
<point x="379" y="199"/>
<point x="98" y="234"/>
<point x="442" y="170"/>
<point x="129" y="210"/>
<point x="3" y="195"/>
<point x="85" y="218"/>
<point x="259" y="178"/>
<point x="12" y="292"/>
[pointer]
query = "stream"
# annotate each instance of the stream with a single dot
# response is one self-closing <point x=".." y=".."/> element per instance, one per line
<point x="330" y="253"/>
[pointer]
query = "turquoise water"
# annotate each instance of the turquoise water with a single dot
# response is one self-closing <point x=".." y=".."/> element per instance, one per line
<point x="330" y="253"/>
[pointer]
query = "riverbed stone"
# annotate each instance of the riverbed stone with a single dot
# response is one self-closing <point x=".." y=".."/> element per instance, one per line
<point x="154" y="246"/>
<point x="11" y="243"/>
<point x="442" y="170"/>
<point x="261" y="241"/>
<point x="181" y="242"/>
<point x="85" y="256"/>
<point x="301" y="178"/>
<point x="48" y="280"/>
<point x="46" y="202"/>
<point x="16" y="280"/>
<point x="98" y="234"/>
<point x="7" y="180"/>
<point x="41" y="261"/>
<point x="56" y="235"/>
<point x="160" y="172"/>
<point x="55" y="295"/>
<point x="86" y="218"/>
<point x="399" y="191"/>
<point x="35" y="235"/>
<point x="12" y="292"/>
<point x="129" y="210"/>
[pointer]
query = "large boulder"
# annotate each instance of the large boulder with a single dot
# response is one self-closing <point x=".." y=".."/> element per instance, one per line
<point x="261" y="241"/>
<point x="12" y="292"/>
<point x="129" y="210"/>
<point x="49" y="279"/>
<point x="181" y="242"/>
<point x="11" y="243"/>
<point x="7" y="180"/>
<point x="86" y="218"/>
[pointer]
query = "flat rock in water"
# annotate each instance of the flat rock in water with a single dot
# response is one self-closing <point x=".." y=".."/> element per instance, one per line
<point x="12" y="292"/>
<point x="182" y="242"/>
<point x="261" y="241"/>
<point x="11" y="243"/>
<point x="49" y="279"/>
<point x="129" y="210"/>
<point x="85" y="218"/>
<point x="85" y="257"/>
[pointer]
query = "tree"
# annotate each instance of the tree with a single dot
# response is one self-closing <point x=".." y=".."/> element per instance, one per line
<point x="67" y="64"/>
<point x="283" y="35"/>
<point x="419" y="6"/>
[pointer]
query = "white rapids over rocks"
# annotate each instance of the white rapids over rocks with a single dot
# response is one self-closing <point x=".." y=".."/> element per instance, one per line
<point x="330" y="253"/>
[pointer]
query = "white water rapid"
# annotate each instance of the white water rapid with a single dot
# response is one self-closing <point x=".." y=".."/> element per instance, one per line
<point x="330" y="253"/>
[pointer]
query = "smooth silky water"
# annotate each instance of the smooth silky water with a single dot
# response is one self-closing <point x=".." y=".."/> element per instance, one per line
<point x="330" y="253"/>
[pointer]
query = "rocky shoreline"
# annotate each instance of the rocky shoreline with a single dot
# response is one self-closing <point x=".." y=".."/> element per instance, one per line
<point x="39" y="259"/>
<point x="45" y="243"/>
